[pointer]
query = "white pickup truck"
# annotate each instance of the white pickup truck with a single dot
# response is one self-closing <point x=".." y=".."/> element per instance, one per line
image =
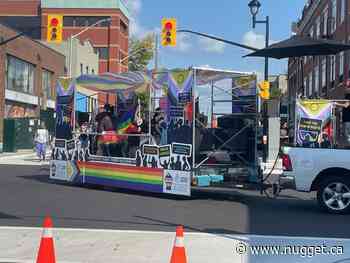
<point x="326" y="171"/>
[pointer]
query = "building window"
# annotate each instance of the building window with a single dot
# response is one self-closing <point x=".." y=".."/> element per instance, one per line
<point x="102" y="52"/>
<point x="334" y="16"/>
<point x="318" y="27"/>
<point x="81" y="69"/>
<point x="342" y="10"/>
<point x="325" y="22"/>
<point x="309" y="90"/>
<point x="47" y="83"/>
<point x="317" y="79"/>
<point x="323" y="70"/>
<point x="87" y="69"/>
<point x="332" y="71"/>
<point x="69" y="21"/>
<point x="84" y="21"/>
<point x="341" y="66"/>
<point x="92" y="71"/>
<point x="311" y="32"/>
<point x="123" y="27"/>
<point x="20" y="75"/>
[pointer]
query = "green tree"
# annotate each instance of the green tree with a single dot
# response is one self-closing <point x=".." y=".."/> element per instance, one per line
<point x="141" y="51"/>
<point x="275" y="92"/>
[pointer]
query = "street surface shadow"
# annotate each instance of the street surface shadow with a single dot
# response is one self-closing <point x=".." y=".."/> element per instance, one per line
<point x="233" y="195"/>
<point x="44" y="178"/>
<point x="7" y="216"/>
<point x="218" y="231"/>
<point x="56" y="219"/>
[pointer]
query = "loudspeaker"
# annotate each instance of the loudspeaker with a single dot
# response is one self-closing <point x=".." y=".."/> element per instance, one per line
<point x="230" y="122"/>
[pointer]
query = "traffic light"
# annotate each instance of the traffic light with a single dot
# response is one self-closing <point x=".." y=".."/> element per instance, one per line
<point x="54" y="28"/>
<point x="264" y="90"/>
<point x="169" y="32"/>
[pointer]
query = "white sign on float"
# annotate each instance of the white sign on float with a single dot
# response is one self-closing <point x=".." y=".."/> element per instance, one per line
<point x="177" y="182"/>
<point x="62" y="170"/>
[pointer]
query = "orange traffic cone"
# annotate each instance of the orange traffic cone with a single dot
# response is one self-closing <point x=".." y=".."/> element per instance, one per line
<point x="46" y="252"/>
<point x="179" y="253"/>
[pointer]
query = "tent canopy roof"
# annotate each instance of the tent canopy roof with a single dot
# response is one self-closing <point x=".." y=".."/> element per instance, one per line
<point x="139" y="81"/>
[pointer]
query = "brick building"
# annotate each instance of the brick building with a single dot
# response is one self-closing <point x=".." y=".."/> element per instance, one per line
<point x="110" y="39"/>
<point x="321" y="76"/>
<point x="28" y="72"/>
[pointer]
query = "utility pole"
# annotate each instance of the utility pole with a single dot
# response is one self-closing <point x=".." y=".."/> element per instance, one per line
<point x="254" y="6"/>
<point x="156" y="52"/>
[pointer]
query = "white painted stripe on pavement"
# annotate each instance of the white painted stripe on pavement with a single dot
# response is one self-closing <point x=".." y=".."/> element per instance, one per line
<point x="248" y="236"/>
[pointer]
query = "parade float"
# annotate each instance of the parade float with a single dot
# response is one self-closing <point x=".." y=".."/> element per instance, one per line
<point x="164" y="132"/>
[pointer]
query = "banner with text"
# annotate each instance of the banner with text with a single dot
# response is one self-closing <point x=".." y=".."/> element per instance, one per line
<point x="313" y="117"/>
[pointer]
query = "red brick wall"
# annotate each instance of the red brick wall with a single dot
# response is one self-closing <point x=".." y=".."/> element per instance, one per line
<point x="2" y="92"/>
<point x="19" y="7"/>
<point x="340" y="34"/>
<point x="33" y="52"/>
<point x="118" y="41"/>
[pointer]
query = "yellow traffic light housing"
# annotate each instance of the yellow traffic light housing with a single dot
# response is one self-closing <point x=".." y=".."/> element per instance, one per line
<point x="264" y="90"/>
<point x="168" y="32"/>
<point x="54" y="28"/>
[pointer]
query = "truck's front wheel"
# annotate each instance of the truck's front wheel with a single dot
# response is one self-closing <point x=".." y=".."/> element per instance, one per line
<point x="333" y="195"/>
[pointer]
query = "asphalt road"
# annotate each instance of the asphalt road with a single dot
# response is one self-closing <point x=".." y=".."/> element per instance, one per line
<point x="27" y="195"/>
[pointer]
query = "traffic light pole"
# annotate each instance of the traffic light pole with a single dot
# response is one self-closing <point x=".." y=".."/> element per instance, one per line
<point x="217" y="39"/>
<point x="266" y="76"/>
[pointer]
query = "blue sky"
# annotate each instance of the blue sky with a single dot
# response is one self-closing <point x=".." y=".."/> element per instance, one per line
<point x="229" y="19"/>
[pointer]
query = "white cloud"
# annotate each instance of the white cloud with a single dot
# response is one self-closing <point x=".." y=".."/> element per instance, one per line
<point x="136" y="29"/>
<point x="183" y="42"/>
<point x="211" y="45"/>
<point x="254" y="40"/>
<point x="205" y="66"/>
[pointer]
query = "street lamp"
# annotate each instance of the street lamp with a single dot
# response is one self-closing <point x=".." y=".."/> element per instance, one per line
<point x="254" y="6"/>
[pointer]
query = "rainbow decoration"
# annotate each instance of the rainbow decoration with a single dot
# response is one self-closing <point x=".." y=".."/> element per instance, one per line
<point x="137" y="82"/>
<point x="129" y="177"/>
<point x="126" y="123"/>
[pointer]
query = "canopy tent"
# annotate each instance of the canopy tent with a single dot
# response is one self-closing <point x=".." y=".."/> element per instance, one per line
<point x="301" y="46"/>
<point x="114" y="83"/>
<point x="137" y="81"/>
<point x="206" y="75"/>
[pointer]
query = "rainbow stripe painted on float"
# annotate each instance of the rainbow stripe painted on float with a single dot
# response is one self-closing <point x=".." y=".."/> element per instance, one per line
<point x="129" y="177"/>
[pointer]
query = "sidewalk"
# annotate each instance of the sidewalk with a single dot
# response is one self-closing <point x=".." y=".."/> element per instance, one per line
<point x="19" y="152"/>
<point x="23" y="157"/>
<point x="83" y="245"/>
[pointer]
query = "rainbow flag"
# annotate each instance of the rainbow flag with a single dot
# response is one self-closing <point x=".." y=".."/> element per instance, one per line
<point x="125" y="124"/>
<point x="129" y="177"/>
